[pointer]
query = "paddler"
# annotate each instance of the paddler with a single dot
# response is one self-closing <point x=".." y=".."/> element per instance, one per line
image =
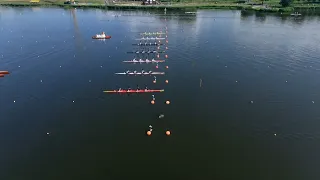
<point x="150" y="72"/>
<point x="127" y="72"/>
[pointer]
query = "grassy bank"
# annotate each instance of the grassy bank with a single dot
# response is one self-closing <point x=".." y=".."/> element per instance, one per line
<point x="268" y="6"/>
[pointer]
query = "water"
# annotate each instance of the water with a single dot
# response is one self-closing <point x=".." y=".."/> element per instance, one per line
<point x="256" y="115"/>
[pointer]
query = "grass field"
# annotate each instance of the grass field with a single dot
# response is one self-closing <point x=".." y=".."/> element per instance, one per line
<point x="268" y="5"/>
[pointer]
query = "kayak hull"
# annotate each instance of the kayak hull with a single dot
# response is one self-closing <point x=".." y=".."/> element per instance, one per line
<point x="4" y="72"/>
<point x="134" y="91"/>
<point x="155" y="73"/>
<point x="106" y="37"/>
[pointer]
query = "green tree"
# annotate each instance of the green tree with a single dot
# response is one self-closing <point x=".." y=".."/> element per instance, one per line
<point x="285" y="3"/>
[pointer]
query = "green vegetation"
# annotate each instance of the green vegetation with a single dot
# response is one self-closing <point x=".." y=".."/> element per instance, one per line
<point x="256" y="5"/>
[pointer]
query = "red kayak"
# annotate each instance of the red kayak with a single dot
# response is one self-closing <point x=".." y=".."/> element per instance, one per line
<point x="4" y="72"/>
<point x="98" y="37"/>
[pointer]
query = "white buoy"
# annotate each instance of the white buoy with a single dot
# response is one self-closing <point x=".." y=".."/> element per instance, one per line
<point x="40" y="80"/>
<point x="313" y="102"/>
<point x="18" y="66"/>
<point x="14" y="101"/>
<point x="38" y="56"/>
<point x="236" y="81"/>
<point x="48" y="133"/>
<point x="226" y="66"/>
<point x="89" y="80"/>
<point x="251" y="102"/>
<point x="73" y="101"/>
<point x="286" y="81"/>
<point x="101" y="66"/>
<point x="60" y="66"/>
<point x="275" y="134"/>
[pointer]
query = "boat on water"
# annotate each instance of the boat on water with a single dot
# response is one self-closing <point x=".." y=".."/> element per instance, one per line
<point x="144" y="61"/>
<point x="150" y="38"/>
<point x="101" y="36"/>
<point x="135" y="91"/>
<point x="4" y="72"/>
<point x="146" y="52"/>
<point x="190" y="12"/>
<point x="147" y="44"/>
<point x="152" y="33"/>
<point x="140" y="73"/>
<point x="296" y="14"/>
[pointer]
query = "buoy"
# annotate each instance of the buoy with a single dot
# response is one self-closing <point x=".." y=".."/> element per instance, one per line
<point x="152" y="102"/>
<point x="167" y="102"/>
<point x="167" y="67"/>
<point x="166" y="47"/>
<point x="154" y="81"/>
<point x="168" y="133"/>
<point x="167" y="81"/>
<point x="158" y="47"/>
<point x="158" y="56"/>
<point x="166" y="56"/>
<point x="157" y="67"/>
<point x="167" y="41"/>
<point x="149" y="133"/>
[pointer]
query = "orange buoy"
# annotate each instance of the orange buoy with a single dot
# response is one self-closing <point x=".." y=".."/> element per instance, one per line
<point x="1" y="75"/>
<point x="166" y="56"/>
<point x="152" y="102"/>
<point x="149" y="133"/>
<point x="167" y="67"/>
<point x="167" y="81"/>
<point x="167" y="102"/>
<point x="168" y="133"/>
<point x="4" y="72"/>
<point x="154" y="81"/>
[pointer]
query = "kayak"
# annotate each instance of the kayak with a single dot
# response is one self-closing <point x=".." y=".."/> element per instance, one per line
<point x="135" y="91"/>
<point x="140" y="73"/>
<point x="4" y="72"/>
<point x="101" y="37"/>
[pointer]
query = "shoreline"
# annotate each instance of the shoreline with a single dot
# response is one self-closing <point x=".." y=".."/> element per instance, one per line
<point x="230" y="6"/>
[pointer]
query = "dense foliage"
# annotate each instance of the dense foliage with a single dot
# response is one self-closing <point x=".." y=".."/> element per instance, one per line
<point x="285" y="3"/>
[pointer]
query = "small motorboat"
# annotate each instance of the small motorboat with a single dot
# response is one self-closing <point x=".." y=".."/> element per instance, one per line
<point x="101" y="36"/>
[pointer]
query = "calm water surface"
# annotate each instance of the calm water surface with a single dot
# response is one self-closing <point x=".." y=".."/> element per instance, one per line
<point x="256" y="115"/>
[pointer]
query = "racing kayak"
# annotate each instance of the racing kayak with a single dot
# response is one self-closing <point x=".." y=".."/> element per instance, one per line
<point x="141" y="73"/>
<point x="147" y="44"/>
<point x="146" y="52"/>
<point x="135" y="91"/>
<point x="4" y="72"/>
<point x="144" y="61"/>
<point x="152" y="33"/>
<point x="150" y="38"/>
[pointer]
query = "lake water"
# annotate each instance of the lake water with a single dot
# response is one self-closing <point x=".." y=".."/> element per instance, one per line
<point x="256" y="115"/>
